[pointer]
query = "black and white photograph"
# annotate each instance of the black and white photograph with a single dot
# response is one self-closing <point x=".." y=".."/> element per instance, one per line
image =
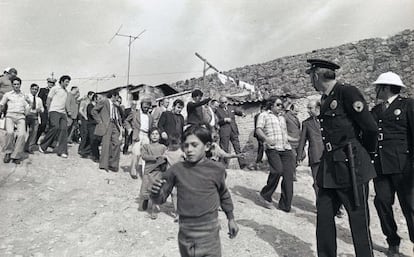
<point x="201" y="128"/>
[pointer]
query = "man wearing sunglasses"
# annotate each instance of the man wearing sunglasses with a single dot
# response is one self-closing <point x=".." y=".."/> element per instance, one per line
<point x="348" y="134"/>
<point x="271" y="128"/>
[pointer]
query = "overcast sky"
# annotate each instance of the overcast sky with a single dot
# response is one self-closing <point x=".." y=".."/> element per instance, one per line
<point x="72" y="37"/>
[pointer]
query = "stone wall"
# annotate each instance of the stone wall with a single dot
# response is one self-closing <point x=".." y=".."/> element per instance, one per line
<point x="361" y="62"/>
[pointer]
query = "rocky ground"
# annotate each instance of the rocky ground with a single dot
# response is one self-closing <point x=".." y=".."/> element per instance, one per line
<point x="51" y="206"/>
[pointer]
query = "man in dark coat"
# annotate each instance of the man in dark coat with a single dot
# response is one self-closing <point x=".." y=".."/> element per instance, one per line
<point x="108" y="119"/>
<point x="311" y="132"/>
<point x="171" y="123"/>
<point x="394" y="157"/>
<point x="228" y="127"/>
<point x="348" y="133"/>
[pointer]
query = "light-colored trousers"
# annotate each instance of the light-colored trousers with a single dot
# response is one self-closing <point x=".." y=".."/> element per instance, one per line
<point x="15" y="140"/>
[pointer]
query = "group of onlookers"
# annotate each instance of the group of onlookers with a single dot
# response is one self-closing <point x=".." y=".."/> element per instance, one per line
<point x="348" y="145"/>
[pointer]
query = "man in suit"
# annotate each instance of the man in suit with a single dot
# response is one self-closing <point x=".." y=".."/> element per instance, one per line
<point x="293" y="128"/>
<point x="394" y="157"/>
<point x="311" y="132"/>
<point x="348" y="133"/>
<point x="138" y="122"/>
<point x="171" y="123"/>
<point x="228" y="130"/>
<point x="44" y="116"/>
<point x="108" y="126"/>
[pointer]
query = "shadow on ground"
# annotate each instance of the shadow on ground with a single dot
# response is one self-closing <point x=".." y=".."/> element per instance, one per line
<point x="284" y="244"/>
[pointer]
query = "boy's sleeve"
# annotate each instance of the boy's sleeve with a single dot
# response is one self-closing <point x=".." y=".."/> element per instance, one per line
<point x="225" y="198"/>
<point x="166" y="188"/>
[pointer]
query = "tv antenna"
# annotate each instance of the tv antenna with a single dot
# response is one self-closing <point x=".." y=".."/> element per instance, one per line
<point x="131" y="38"/>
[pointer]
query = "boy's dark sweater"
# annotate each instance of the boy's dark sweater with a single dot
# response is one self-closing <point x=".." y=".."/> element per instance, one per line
<point x="201" y="189"/>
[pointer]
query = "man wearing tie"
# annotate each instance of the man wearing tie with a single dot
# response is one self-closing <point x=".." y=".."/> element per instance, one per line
<point x="228" y="127"/>
<point x="32" y="118"/>
<point x="394" y="157"/>
<point x="108" y="117"/>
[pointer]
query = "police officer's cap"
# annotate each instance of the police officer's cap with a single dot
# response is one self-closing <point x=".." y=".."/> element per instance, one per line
<point x="318" y="63"/>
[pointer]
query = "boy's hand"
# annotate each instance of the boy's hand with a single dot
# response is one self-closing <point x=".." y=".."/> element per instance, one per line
<point x="233" y="229"/>
<point x="156" y="186"/>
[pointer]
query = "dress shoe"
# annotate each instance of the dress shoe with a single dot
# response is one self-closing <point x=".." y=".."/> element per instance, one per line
<point x="266" y="203"/>
<point x="6" y="158"/>
<point x="63" y="155"/>
<point x="16" y="161"/>
<point x="41" y="149"/>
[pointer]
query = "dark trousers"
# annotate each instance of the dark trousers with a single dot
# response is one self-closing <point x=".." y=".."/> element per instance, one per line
<point x="111" y="148"/>
<point x="72" y="127"/>
<point x="314" y="170"/>
<point x="280" y="163"/>
<point x="85" y="144"/>
<point x="327" y="204"/>
<point x="32" y="124"/>
<point x="95" y="141"/>
<point x="44" y="119"/>
<point x="57" y="130"/>
<point x="260" y="151"/>
<point x="127" y="141"/>
<point x="385" y="188"/>
<point x="225" y="144"/>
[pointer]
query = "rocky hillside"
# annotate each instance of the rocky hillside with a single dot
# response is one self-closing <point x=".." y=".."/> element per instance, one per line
<point x="361" y="63"/>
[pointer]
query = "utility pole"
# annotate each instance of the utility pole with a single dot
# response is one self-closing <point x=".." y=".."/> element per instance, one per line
<point x="206" y="67"/>
<point x="131" y="39"/>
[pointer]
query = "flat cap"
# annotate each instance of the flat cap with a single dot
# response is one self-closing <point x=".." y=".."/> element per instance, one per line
<point x="318" y="63"/>
<point x="51" y="80"/>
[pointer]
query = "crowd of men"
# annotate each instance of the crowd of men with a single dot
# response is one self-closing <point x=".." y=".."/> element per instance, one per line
<point x="348" y="144"/>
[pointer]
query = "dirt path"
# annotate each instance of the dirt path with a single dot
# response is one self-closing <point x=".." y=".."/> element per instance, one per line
<point x="51" y="206"/>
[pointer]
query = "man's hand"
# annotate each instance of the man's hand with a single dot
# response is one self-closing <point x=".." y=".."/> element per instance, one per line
<point x="270" y="142"/>
<point x="233" y="228"/>
<point x="157" y="185"/>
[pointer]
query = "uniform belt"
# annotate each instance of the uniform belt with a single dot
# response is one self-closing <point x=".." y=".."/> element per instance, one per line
<point x="329" y="147"/>
<point x="381" y="137"/>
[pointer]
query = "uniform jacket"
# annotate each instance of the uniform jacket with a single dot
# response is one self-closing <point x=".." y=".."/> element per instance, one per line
<point x="311" y="132"/>
<point x="227" y="128"/>
<point x="395" y="151"/>
<point x="345" y="119"/>
<point x="133" y="121"/>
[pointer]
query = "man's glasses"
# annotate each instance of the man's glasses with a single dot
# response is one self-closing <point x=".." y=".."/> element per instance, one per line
<point x="279" y="105"/>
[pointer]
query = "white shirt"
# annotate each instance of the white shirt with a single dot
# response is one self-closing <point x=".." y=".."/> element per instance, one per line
<point x="144" y="121"/>
<point x="390" y="100"/>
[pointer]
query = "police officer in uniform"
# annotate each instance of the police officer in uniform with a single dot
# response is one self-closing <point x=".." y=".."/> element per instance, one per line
<point x="348" y="133"/>
<point x="394" y="157"/>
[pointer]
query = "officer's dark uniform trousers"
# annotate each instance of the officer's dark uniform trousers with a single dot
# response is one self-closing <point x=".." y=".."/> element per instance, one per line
<point x="393" y="163"/>
<point x="344" y="115"/>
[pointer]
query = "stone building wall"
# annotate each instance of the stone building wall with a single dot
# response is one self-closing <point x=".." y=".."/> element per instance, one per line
<point x="361" y="63"/>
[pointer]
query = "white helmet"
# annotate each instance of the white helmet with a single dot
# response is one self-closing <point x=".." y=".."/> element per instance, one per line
<point x="389" y="78"/>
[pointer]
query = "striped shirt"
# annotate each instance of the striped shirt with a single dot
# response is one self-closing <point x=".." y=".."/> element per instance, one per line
<point x="274" y="127"/>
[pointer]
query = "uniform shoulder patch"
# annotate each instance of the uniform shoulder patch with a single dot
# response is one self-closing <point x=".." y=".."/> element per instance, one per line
<point x="358" y="106"/>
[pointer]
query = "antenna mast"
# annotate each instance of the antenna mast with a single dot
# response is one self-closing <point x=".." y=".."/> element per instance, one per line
<point x="131" y="40"/>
